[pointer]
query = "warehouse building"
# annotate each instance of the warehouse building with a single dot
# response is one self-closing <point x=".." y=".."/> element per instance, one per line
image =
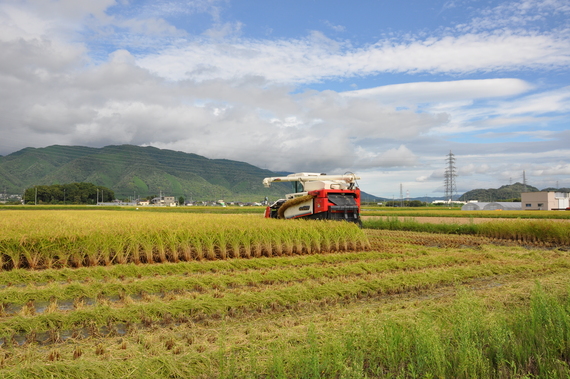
<point x="545" y="201"/>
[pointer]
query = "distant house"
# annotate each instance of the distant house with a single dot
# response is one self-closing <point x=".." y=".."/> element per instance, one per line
<point x="168" y="201"/>
<point x="545" y="201"/>
<point x="447" y="202"/>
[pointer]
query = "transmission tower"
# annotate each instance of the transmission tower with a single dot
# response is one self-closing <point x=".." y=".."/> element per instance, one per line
<point x="450" y="175"/>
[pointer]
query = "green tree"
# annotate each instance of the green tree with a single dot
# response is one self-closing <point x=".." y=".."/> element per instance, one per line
<point x="72" y="193"/>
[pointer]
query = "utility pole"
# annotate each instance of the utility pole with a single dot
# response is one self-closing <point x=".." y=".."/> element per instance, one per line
<point x="524" y="181"/>
<point x="449" y="178"/>
<point x="36" y="198"/>
<point x="401" y="196"/>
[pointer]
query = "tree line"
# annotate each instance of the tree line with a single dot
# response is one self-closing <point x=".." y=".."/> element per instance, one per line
<point x="72" y="193"/>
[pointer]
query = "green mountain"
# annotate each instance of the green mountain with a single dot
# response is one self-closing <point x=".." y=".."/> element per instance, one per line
<point x="138" y="171"/>
<point x="504" y="193"/>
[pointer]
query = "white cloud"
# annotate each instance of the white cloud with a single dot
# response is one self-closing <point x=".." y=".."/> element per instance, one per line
<point x="447" y="91"/>
<point x="315" y="58"/>
<point x="335" y="27"/>
<point x="516" y="14"/>
<point x="227" y="96"/>
<point x="396" y="157"/>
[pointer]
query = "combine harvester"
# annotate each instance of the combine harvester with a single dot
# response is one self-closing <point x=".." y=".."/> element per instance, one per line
<point x="317" y="197"/>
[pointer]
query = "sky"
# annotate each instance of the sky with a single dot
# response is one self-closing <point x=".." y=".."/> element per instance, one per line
<point x="383" y="88"/>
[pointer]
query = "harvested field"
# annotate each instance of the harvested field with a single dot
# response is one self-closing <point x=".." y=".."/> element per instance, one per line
<point x="335" y="314"/>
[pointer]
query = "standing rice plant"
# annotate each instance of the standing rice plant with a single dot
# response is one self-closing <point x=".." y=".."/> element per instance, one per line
<point x="134" y="249"/>
<point x="185" y="246"/>
<point x="57" y="257"/>
<point x="327" y="236"/>
<point x="2" y="257"/>
<point x="247" y="244"/>
<point x="221" y="238"/>
<point x="276" y="237"/>
<point x="106" y="246"/>
<point x="159" y="240"/>
<point x="146" y="245"/>
<point x="12" y="251"/>
<point x="197" y="245"/>
<point x="298" y="238"/>
<point x="92" y="252"/>
<point x="32" y="251"/>
<point x="314" y="238"/>
<point x="120" y="248"/>
<point x="209" y="240"/>
<point x="288" y="242"/>
<point x="235" y="239"/>
<point x="173" y="243"/>
<point x="334" y="235"/>
<point x="75" y="259"/>
<point x="267" y="238"/>
<point x="256" y="240"/>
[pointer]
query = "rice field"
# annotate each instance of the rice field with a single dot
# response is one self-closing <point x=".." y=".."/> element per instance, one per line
<point x="547" y="232"/>
<point x="286" y="300"/>
<point x="49" y="239"/>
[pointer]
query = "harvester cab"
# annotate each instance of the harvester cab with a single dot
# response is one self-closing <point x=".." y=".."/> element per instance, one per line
<point x="318" y="197"/>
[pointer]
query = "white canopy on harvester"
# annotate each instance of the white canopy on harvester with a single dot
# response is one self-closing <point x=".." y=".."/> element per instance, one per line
<point x="306" y="177"/>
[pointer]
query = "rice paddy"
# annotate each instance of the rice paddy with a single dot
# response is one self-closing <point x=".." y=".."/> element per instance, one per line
<point x="47" y="239"/>
<point x="547" y="232"/>
<point x="238" y="296"/>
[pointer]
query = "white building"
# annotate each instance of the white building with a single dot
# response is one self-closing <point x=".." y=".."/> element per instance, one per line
<point x="545" y="201"/>
<point x="164" y="200"/>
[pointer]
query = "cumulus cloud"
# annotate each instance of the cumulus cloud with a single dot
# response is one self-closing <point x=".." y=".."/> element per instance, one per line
<point x="223" y="95"/>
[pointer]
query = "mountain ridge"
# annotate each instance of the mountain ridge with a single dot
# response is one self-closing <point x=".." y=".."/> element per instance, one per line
<point x="137" y="171"/>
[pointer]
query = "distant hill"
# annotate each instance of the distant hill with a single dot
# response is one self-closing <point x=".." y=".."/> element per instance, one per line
<point x="504" y="193"/>
<point x="138" y="171"/>
<point x="552" y="189"/>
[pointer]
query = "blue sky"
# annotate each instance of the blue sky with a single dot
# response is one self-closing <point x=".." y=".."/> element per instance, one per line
<point x="385" y="89"/>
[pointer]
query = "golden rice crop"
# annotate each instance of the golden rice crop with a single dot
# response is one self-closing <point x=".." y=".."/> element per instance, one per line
<point x="48" y="238"/>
